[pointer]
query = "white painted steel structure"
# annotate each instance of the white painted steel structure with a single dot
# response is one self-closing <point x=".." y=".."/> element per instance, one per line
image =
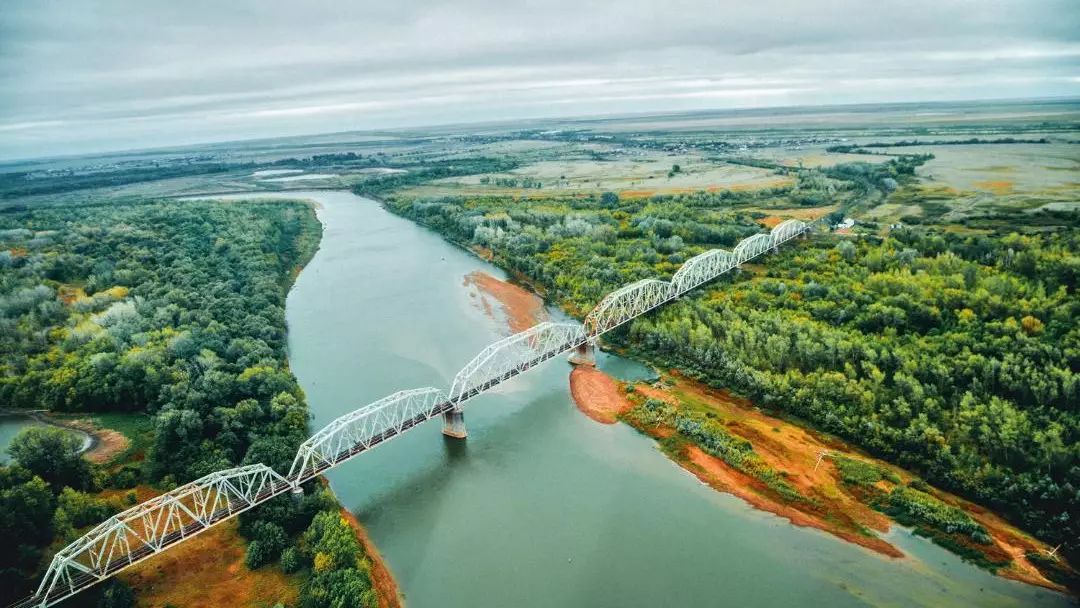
<point x="751" y="247"/>
<point x="161" y="522"/>
<point x="513" y="355"/>
<point x="624" y="304"/>
<point x="363" y="429"/>
<point x="702" y="268"/>
<point x="155" y="525"/>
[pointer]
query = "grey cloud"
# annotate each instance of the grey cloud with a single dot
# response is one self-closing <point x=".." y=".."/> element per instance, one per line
<point x="115" y="73"/>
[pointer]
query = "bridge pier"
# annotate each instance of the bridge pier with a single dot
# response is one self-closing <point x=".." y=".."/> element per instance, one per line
<point x="454" y="424"/>
<point x="583" y="355"/>
<point x="297" y="494"/>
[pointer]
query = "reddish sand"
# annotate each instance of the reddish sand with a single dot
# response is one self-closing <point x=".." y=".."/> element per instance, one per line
<point x="208" y="570"/>
<point x="719" y="475"/>
<point x="794" y="450"/>
<point x="597" y="395"/>
<point x="109" y="445"/>
<point x="522" y="308"/>
<point x="106" y="445"/>
<point x="785" y="447"/>
<point x="385" y="586"/>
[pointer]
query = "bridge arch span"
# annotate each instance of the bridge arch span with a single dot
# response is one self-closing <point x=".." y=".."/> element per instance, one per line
<point x="513" y="355"/>
<point x="702" y="268"/>
<point x="625" y="303"/>
<point x="752" y="246"/>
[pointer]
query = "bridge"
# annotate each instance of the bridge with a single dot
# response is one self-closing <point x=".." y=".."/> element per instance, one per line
<point x="166" y="520"/>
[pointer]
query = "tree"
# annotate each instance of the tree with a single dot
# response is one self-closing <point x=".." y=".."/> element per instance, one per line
<point x="116" y="594"/>
<point x="26" y="505"/>
<point x="54" y="455"/>
<point x="270" y="541"/>
<point x="332" y="537"/>
<point x="345" y="588"/>
<point x="256" y="555"/>
<point x="290" y="560"/>
<point x="609" y="199"/>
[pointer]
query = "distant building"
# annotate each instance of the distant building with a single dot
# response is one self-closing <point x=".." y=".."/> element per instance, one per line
<point x="847" y="223"/>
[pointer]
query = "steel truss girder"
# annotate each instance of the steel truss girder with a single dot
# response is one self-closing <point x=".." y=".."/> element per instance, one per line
<point x="625" y="303"/>
<point x="787" y="229"/>
<point x="513" y="355"/>
<point x="365" y="428"/>
<point x="751" y="247"/>
<point x="701" y="269"/>
<point x="151" y="527"/>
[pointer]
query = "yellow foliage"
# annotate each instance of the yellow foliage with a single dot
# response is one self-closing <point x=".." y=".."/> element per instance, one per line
<point x="323" y="562"/>
<point x="119" y="292"/>
<point x="966" y="315"/>
<point x="1031" y="325"/>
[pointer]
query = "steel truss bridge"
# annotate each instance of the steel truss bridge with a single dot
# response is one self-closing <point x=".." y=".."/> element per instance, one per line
<point x="159" y="523"/>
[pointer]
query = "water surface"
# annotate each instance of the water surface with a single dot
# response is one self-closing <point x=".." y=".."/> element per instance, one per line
<point x="10" y="426"/>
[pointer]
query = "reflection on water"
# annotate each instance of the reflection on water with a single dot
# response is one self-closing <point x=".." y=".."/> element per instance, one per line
<point x="541" y="506"/>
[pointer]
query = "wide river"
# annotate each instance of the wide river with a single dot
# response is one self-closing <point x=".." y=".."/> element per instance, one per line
<point x="541" y="506"/>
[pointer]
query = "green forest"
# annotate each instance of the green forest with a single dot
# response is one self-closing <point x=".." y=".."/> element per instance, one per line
<point x="954" y="355"/>
<point x="168" y="309"/>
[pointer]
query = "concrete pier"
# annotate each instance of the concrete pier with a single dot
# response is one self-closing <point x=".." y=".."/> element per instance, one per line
<point x="583" y="355"/>
<point x="454" y="424"/>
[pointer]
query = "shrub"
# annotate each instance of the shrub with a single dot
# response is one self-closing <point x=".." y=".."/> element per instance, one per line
<point x="271" y="536"/>
<point x="116" y="594"/>
<point x="257" y="555"/>
<point x="290" y="560"/>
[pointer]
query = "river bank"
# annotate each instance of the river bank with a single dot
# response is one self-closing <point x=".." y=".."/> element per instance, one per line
<point x="519" y="308"/>
<point x="818" y="468"/>
<point x="101" y="445"/>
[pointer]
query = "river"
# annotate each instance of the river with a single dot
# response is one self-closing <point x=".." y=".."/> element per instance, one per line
<point x="541" y="506"/>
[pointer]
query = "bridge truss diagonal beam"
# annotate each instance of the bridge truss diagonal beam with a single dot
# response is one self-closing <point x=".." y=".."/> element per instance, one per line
<point x="513" y="355"/>
<point x="701" y="269"/>
<point x="365" y="428"/>
<point x="151" y="527"/>
<point x="625" y="303"/>
<point x="786" y="230"/>
<point x="751" y="247"/>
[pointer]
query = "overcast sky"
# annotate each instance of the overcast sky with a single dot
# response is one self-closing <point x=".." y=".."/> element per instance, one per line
<point x="89" y="75"/>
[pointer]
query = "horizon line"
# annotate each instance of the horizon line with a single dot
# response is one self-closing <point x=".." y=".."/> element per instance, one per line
<point x="577" y="118"/>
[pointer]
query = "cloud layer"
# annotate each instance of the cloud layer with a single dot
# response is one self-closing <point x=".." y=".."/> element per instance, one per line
<point x="78" y="76"/>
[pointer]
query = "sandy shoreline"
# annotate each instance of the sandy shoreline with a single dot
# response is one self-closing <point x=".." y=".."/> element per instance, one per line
<point x="597" y="395"/>
<point x="794" y="451"/>
<point x="521" y="308"/>
<point x="381" y="579"/>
